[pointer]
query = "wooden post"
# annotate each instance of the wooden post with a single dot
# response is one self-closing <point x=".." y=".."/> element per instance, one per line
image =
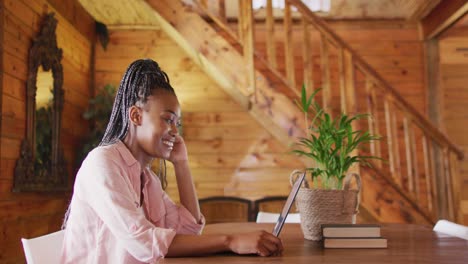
<point x="409" y="163"/>
<point x="341" y="75"/>
<point x="240" y="20"/>
<point x="270" y="35"/>
<point x="307" y="58"/>
<point x="349" y="83"/>
<point x="288" y="46"/>
<point x="222" y="10"/>
<point x="448" y="184"/>
<point x="428" y="173"/>
<point x="388" y="125"/>
<point x="248" y="44"/>
<point x="414" y="160"/>
<point x="324" y="56"/>
<point x="373" y="119"/>
<point x="396" y="147"/>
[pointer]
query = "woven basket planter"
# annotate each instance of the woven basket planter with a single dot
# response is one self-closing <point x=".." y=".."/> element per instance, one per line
<point x="317" y="206"/>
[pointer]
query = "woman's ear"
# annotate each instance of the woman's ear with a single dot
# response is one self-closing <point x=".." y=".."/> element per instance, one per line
<point x="135" y="115"/>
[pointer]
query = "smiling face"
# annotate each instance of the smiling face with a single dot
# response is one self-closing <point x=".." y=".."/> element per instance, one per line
<point x="160" y="116"/>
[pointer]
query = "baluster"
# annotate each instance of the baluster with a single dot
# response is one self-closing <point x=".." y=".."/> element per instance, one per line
<point x="350" y="89"/>
<point x="324" y="56"/>
<point x="204" y="3"/>
<point x="240" y="20"/>
<point x="409" y="163"/>
<point x="373" y="118"/>
<point x="341" y="74"/>
<point x="222" y="10"/>
<point x="396" y="148"/>
<point x="288" y="46"/>
<point x="456" y="183"/>
<point x="414" y="160"/>
<point x="388" y="125"/>
<point x="307" y="58"/>
<point x="448" y="183"/>
<point x="248" y="44"/>
<point x="428" y="173"/>
<point x="270" y="35"/>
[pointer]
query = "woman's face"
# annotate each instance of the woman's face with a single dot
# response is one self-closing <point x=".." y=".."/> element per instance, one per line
<point x="159" y="123"/>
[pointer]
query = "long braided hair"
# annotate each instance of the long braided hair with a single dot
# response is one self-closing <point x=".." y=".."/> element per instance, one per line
<point x="142" y="78"/>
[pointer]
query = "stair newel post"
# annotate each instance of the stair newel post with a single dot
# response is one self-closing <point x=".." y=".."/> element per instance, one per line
<point x="373" y="119"/>
<point x="325" y="67"/>
<point x="308" y="62"/>
<point x="247" y="25"/>
<point x="289" y="45"/>
<point x="270" y="36"/>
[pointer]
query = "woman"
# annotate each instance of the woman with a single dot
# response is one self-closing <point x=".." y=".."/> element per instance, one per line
<point x="119" y="212"/>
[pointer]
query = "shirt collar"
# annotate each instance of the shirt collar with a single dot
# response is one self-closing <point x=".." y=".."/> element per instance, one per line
<point x="126" y="154"/>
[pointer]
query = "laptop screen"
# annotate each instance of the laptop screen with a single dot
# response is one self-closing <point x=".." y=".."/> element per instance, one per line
<point x="287" y="205"/>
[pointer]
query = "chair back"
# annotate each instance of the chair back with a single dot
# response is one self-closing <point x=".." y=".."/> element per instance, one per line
<point x="221" y="209"/>
<point x="44" y="249"/>
<point x="452" y="229"/>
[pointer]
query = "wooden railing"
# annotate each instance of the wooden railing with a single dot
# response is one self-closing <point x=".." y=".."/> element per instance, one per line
<point x="420" y="161"/>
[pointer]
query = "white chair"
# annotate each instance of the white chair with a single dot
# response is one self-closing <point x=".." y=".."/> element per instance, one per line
<point x="44" y="249"/>
<point x="264" y="217"/>
<point x="452" y="229"/>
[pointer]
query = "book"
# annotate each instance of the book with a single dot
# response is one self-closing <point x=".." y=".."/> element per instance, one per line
<point x="355" y="242"/>
<point x="351" y="230"/>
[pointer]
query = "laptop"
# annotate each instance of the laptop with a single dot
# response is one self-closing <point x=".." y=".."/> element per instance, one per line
<point x="287" y="205"/>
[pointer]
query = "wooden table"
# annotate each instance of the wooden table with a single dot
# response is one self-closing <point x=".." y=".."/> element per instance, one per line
<point x="406" y="244"/>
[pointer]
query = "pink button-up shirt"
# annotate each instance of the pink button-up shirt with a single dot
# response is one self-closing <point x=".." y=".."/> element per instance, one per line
<point x="107" y="224"/>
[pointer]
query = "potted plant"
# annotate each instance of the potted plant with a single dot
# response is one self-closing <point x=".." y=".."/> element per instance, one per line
<point x="98" y="113"/>
<point x="331" y="143"/>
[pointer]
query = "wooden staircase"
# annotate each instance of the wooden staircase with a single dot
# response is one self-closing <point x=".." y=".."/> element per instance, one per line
<point x="415" y="185"/>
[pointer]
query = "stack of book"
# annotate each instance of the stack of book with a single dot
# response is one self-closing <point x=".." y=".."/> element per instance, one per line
<point x="352" y="236"/>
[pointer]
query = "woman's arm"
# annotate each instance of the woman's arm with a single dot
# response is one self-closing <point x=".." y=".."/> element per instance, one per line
<point x="260" y="242"/>
<point x="187" y="193"/>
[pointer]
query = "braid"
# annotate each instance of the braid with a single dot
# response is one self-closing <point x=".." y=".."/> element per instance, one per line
<point x="141" y="79"/>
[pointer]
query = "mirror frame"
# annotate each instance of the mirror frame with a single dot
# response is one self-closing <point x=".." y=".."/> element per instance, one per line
<point x="44" y="52"/>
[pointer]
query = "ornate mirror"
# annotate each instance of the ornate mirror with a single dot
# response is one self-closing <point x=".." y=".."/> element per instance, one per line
<point x="41" y="165"/>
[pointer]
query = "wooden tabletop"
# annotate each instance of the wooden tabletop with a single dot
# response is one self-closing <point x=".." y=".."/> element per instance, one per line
<point x="406" y="244"/>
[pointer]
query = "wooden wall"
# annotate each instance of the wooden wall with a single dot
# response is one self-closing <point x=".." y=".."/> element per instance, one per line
<point x="33" y="214"/>
<point x="453" y="52"/>
<point x="230" y="154"/>
<point x="391" y="47"/>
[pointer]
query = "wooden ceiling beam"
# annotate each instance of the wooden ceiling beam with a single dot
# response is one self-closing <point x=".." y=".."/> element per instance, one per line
<point x="420" y="9"/>
<point x="442" y="16"/>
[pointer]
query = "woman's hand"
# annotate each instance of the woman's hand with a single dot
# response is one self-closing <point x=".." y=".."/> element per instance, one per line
<point x="179" y="150"/>
<point x="261" y="243"/>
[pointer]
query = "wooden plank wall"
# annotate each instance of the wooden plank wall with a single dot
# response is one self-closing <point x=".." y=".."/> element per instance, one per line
<point x="392" y="47"/>
<point x="230" y="153"/>
<point x="33" y="214"/>
<point x="453" y="48"/>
